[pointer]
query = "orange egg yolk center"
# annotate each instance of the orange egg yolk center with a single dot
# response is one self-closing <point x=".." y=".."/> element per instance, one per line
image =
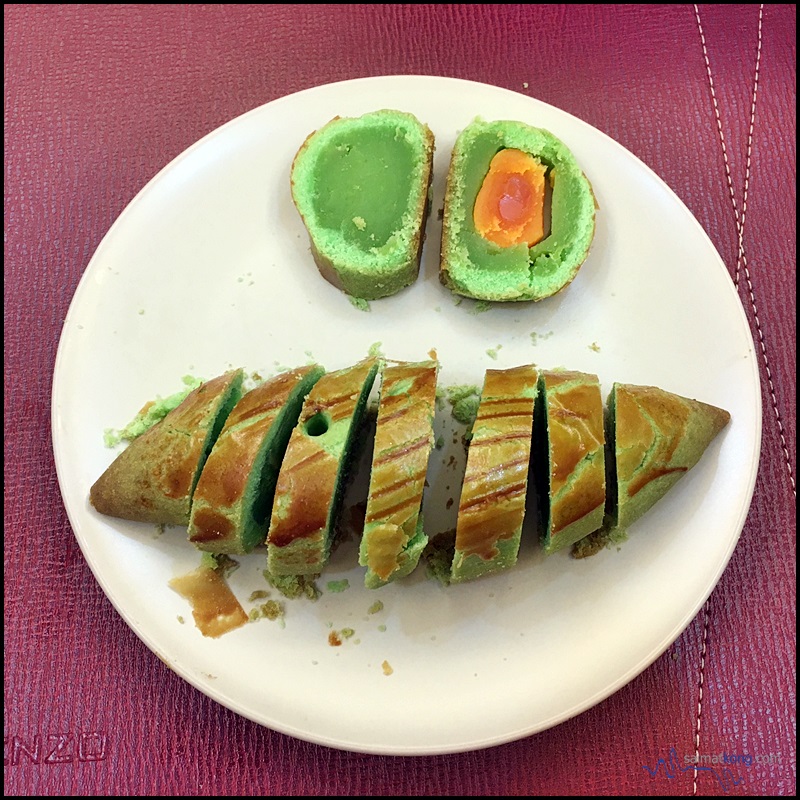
<point x="509" y="208"/>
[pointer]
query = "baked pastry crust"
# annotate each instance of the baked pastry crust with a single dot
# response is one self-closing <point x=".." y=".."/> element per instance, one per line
<point x="576" y="477"/>
<point x="393" y="538"/>
<point x="310" y="483"/>
<point x="154" y="478"/>
<point x="234" y="495"/>
<point x="492" y="505"/>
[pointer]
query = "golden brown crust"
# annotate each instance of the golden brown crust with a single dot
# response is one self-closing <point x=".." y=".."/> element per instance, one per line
<point x="659" y="437"/>
<point x="577" y="440"/>
<point x="307" y="480"/>
<point x="153" y="478"/>
<point x="492" y="501"/>
<point x="403" y="442"/>
<point x="228" y="468"/>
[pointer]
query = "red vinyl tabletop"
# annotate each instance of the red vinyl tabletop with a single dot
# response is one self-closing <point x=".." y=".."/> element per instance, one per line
<point x="99" y="98"/>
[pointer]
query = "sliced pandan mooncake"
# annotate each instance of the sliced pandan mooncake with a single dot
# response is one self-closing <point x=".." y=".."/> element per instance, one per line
<point x="519" y="213"/>
<point x="311" y="479"/>
<point x="393" y="538"/>
<point x="572" y="472"/>
<point x="233" y="498"/>
<point x="361" y="187"/>
<point x="656" y="437"/>
<point x="492" y="506"/>
<point x="154" y="478"/>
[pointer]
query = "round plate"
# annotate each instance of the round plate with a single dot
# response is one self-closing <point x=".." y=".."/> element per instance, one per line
<point x="209" y="267"/>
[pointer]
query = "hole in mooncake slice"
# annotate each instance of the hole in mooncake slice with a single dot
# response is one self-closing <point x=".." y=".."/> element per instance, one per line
<point x="235" y="491"/>
<point x="311" y="479"/>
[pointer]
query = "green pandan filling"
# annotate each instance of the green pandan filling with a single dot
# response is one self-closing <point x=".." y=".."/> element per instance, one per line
<point x="362" y="181"/>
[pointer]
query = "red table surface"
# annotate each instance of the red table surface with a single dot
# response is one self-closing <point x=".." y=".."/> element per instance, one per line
<point x="99" y="98"/>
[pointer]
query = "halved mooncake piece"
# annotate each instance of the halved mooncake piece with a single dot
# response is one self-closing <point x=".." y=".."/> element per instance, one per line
<point x="361" y="187"/>
<point x="311" y="479"/>
<point x="492" y="506"/>
<point x="233" y="498"/>
<point x="656" y="437"/>
<point x="572" y="471"/>
<point x="519" y="213"/>
<point x="394" y="538"/>
<point x="154" y="478"/>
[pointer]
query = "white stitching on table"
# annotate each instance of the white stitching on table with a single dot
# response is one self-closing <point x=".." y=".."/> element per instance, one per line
<point x="741" y="260"/>
<point x="700" y="695"/>
<point x="741" y="263"/>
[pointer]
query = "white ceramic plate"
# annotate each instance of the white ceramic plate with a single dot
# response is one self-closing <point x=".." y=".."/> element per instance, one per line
<point x="209" y="267"/>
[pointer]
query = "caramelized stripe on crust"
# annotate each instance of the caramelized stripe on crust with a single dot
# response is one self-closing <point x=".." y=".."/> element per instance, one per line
<point x="401" y="452"/>
<point x="492" y="504"/>
<point x="659" y="435"/>
<point x="403" y="443"/>
<point x="307" y="481"/>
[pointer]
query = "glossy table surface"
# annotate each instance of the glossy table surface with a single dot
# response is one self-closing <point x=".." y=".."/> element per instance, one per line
<point x="99" y="98"/>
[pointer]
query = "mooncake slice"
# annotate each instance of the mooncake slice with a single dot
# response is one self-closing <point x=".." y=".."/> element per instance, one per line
<point x="492" y="506"/>
<point x="658" y="437"/>
<point x="311" y="479"/>
<point x="573" y="488"/>
<point x="519" y="213"/>
<point x="361" y="187"/>
<point x="234" y="495"/>
<point x="153" y="479"/>
<point x="655" y="437"/>
<point x="394" y="538"/>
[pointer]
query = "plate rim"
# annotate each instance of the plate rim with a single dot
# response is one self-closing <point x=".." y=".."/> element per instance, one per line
<point x="288" y="729"/>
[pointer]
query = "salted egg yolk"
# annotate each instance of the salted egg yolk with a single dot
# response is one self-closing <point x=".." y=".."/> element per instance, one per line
<point x="509" y="208"/>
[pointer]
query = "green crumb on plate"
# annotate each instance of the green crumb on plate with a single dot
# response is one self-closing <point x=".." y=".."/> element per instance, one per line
<point x="440" y="442"/>
<point x="358" y="302"/>
<point x="346" y="633"/>
<point x="271" y="610"/>
<point x="258" y="594"/>
<point x="181" y="619"/>
<point x="221" y="563"/>
<point x="480" y="307"/>
<point x="438" y="555"/>
<point x="594" y="346"/>
<point x="536" y="337"/>
<point x="492" y="352"/>
<point x="375" y="349"/>
<point x="338" y="586"/>
<point x="597" y="541"/>
<point x="466" y="409"/>
<point x="294" y="586"/>
<point x="382" y="628"/>
<point x="375" y="607"/>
